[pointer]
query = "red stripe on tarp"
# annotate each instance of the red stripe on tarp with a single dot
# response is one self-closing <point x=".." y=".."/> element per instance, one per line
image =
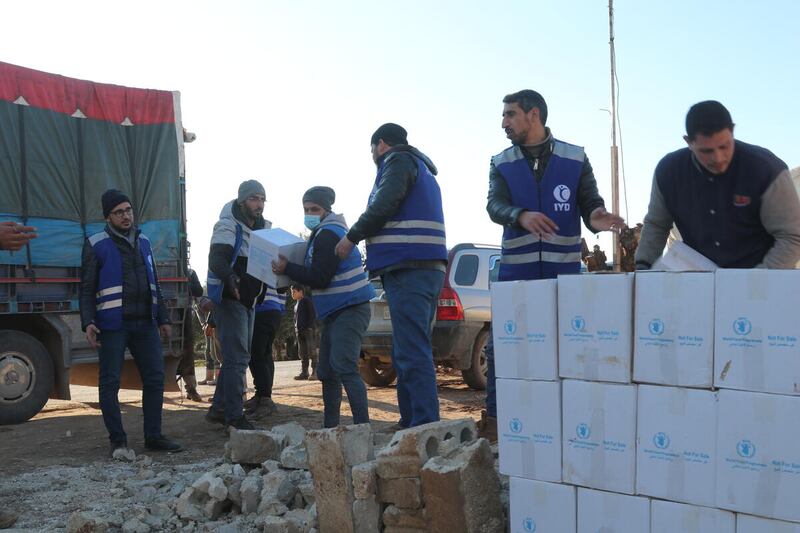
<point x="100" y="101"/>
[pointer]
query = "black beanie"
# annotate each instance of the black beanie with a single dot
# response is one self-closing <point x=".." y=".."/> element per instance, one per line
<point x="320" y="195"/>
<point x="392" y="134"/>
<point x="111" y="199"/>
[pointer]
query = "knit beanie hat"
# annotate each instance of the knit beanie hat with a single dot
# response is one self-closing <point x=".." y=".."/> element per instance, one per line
<point x="249" y="188"/>
<point x="320" y="195"/>
<point x="111" y="199"/>
<point x="392" y="134"/>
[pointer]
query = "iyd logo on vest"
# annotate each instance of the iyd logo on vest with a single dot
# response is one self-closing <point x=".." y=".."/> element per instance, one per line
<point x="742" y="326"/>
<point x="562" y="194"/>
<point x="656" y="326"/>
<point x="583" y="431"/>
<point x="745" y="449"/>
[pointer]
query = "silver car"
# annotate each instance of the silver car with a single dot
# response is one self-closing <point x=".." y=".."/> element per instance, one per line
<point x="461" y="329"/>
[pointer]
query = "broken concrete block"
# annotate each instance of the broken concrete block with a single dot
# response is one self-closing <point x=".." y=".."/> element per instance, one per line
<point x="365" y="480"/>
<point x="249" y="494"/>
<point x="275" y="524"/>
<point x="270" y="465"/>
<point x="202" y="483"/>
<point x="134" y="525"/>
<point x="234" y="486"/>
<point x="124" y="455"/>
<point x="299" y="521"/>
<point x="409" y="518"/>
<point x="411" y="448"/>
<point x="189" y="510"/>
<point x="214" y="508"/>
<point x="295" y="457"/>
<point x="255" y="446"/>
<point x="85" y="523"/>
<point x="462" y="490"/>
<point x="217" y="489"/>
<point x="367" y="515"/>
<point x="306" y="488"/>
<point x="404" y="492"/>
<point x="272" y="508"/>
<point x="331" y="455"/>
<point x="278" y="486"/>
<point x="295" y="433"/>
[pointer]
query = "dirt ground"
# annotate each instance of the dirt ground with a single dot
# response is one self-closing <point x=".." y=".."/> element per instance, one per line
<point x="71" y="433"/>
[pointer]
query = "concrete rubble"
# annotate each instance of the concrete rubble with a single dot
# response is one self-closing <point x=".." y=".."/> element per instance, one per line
<point x="432" y="478"/>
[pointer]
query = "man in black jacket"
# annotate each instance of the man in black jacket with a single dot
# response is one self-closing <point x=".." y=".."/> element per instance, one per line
<point x="121" y="304"/>
<point x="234" y="315"/>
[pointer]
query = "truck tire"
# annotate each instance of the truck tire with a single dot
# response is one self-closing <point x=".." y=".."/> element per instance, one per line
<point x="26" y="377"/>
<point x="375" y="373"/>
<point x="475" y="375"/>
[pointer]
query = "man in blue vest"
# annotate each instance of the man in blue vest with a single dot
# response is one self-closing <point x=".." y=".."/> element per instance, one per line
<point x="341" y="294"/>
<point x="234" y="314"/>
<point x="733" y="202"/>
<point x="539" y="190"/>
<point x="404" y="229"/>
<point x="122" y="307"/>
<point x="262" y="365"/>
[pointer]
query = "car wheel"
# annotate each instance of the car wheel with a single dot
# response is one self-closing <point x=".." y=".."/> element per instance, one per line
<point x="375" y="373"/>
<point x="26" y="377"/>
<point x="475" y="375"/>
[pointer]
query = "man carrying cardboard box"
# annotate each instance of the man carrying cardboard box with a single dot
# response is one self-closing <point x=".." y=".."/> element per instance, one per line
<point x="733" y="202"/>
<point x="539" y="189"/>
<point x="234" y="314"/>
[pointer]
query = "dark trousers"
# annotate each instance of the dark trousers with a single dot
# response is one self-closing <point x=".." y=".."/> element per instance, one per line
<point x="262" y="366"/>
<point x="186" y="363"/>
<point x="306" y="347"/>
<point x="144" y="342"/>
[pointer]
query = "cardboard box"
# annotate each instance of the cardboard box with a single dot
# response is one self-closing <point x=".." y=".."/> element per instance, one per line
<point x="670" y="517"/>
<point x="524" y="326"/>
<point x="674" y="328"/>
<point x="529" y="428"/>
<point x="758" y="457"/>
<point x="757" y="330"/>
<point x="599" y="435"/>
<point x="676" y="444"/>
<point x="755" y="524"/>
<point x="265" y="246"/>
<point x="540" y="506"/>
<point x="600" y="511"/>
<point x="595" y="327"/>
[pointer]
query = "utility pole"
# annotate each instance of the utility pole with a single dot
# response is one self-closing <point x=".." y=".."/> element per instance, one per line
<point x="616" y="254"/>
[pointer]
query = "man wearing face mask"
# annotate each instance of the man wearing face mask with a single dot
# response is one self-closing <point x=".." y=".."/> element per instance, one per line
<point x="234" y="314"/>
<point x="341" y="293"/>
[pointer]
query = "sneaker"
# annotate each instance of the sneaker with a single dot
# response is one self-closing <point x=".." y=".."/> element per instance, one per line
<point x="241" y="423"/>
<point x="301" y="375"/>
<point x="215" y="416"/>
<point x="487" y="427"/>
<point x="162" y="444"/>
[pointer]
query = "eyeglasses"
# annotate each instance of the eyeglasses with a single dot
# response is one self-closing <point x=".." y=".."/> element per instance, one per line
<point x="119" y="213"/>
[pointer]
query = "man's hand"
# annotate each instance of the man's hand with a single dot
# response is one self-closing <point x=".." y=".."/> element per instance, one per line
<point x="279" y="266"/>
<point x="208" y="330"/>
<point x="165" y="330"/>
<point x="233" y="285"/>
<point x="205" y="304"/>
<point x="537" y="223"/>
<point x="344" y="247"/>
<point x="602" y="220"/>
<point x="14" y="236"/>
<point x="91" y="335"/>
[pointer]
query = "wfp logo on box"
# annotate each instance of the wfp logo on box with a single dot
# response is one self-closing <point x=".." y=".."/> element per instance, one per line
<point x="510" y="327"/>
<point x="515" y="425"/>
<point x="745" y="449"/>
<point x="742" y="326"/>
<point x="583" y="431"/>
<point x="656" y="326"/>
<point x="528" y="524"/>
<point x="578" y="324"/>
<point x="661" y="440"/>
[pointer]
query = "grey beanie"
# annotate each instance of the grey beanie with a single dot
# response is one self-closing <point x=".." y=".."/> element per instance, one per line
<point x="249" y="188"/>
<point x="320" y="195"/>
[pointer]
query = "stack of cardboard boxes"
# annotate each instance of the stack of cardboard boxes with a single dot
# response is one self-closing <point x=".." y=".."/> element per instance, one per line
<point x="655" y="402"/>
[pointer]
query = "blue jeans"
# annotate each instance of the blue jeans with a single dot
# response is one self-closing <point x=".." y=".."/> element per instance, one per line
<point x="339" y="350"/>
<point x="142" y="338"/>
<point x="491" y="387"/>
<point x="235" y="331"/>
<point x="413" y="295"/>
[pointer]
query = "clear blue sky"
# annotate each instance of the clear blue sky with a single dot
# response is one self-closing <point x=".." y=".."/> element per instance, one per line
<point x="290" y="92"/>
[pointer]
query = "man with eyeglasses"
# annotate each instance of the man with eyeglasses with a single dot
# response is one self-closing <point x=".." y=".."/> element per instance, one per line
<point x="122" y="307"/>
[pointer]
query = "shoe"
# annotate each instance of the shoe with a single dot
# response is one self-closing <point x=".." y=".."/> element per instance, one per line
<point x="241" y="423"/>
<point x="215" y="416"/>
<point x="313" y="376"/>
<point x="260" y="404"/>
<point x="301" y="375"/>
<point x="162" y="444"/>
<point x="393" y="428"/>
<point x="487" y="427"/>
<point x="192" y="394"/>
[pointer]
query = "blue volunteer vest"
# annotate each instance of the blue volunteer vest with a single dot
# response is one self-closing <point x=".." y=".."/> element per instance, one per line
<point x="108" y="299"/>
<point x="272" y="301"/>
<point x="525" y="256"/>
<point x="349" y="286"/>
<point x="416" y="232"/>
